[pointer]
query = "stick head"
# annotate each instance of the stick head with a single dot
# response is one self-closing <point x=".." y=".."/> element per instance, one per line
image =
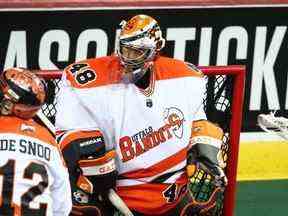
<point x="273" y="124"/>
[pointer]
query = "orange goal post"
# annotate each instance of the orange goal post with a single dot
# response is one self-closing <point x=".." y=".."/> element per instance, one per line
<point x="223" y="105"/>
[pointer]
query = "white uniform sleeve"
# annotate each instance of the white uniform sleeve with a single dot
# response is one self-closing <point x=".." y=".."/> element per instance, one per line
<point x="73" y="109"/>
<point x="83" y="109"/>
<point x="60" y="190"/>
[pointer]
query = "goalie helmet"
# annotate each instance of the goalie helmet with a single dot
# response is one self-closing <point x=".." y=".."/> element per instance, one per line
<point x="22" y="93"/>
<point x="139" y="41"/>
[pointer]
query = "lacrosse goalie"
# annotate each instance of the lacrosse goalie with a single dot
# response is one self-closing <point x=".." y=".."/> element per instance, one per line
<point x="134" y="122"/>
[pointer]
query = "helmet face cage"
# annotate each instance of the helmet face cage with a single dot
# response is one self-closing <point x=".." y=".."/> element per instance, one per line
<point x="23" y="93"/>
<point x="138" y="60"/>
<point x="140" y="33"/>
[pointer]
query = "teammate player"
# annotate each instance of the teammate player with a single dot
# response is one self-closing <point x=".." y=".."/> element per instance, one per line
<point x="34" y="178"/>
<point x="138" y="117"/>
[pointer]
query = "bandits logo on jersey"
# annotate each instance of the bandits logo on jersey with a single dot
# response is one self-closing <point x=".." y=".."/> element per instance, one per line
<point x="173" y="127"/>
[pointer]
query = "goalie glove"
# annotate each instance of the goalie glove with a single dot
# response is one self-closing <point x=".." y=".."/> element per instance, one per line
<point x="86" y="202"/>
<point x="205" y="151"/>
<point x="85" y="154"/>
<point x="83" y="201"/>
<point x="91" y="167"/>
<point x="98" y="176"/>
<point x="101" y="172"/>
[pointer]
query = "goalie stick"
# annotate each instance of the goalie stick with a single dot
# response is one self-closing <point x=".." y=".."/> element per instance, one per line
<point x="273" y="124"/>
<point x="119" y="203"/>
<point x="46" y="121"/>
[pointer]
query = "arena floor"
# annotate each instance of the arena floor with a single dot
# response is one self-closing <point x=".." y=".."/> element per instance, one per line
<point x="262" y="179"/>
<point x="262" y="198"/>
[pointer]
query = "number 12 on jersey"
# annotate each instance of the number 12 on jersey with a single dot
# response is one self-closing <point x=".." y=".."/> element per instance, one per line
<point x="7" y="177"/>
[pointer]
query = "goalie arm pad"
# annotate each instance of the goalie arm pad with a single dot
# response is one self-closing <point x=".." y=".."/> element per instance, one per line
<point x="101" y="171"/>
<point x="91" y="167"/>
<point x="205" y="149"/>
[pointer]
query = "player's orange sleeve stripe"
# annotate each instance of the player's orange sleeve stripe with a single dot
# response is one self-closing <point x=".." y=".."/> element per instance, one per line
<point x="88" y="163"/>
<point x="77" y="135"/>
<point x="206" y="128"/>
<point x="159" y="167"/>
<point x="167" y="68"/>
<point x="107" y="71"/>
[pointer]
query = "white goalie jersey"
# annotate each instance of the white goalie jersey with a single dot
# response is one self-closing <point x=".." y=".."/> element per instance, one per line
<point x="149" y="129"/>
<point x="33" y="177"/>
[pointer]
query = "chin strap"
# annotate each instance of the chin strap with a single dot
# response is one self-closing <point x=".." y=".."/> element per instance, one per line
<point x="132" y="75"/>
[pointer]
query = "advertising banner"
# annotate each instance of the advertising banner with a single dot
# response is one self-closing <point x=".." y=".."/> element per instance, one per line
<point x="255" y="37"/>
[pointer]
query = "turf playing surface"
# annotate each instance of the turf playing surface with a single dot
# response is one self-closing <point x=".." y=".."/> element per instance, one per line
<point x="263" y="161"/>
<point x="262" y="198"/>
<point x="262" y="179"/>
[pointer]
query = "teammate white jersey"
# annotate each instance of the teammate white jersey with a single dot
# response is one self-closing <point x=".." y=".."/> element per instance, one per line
<point x="150" y="130"/>
<point x="33" y="177"/>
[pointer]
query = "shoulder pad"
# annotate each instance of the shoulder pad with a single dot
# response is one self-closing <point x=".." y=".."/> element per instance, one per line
<point x="168" y="68"/>
<point x="29" y="128"/>
<point x="92" y="72"/>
